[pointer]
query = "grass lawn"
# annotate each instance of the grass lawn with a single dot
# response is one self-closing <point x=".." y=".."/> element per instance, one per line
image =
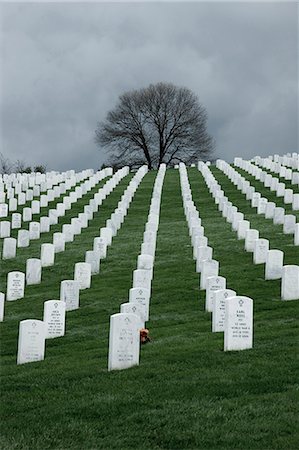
<point x="187" y="392"/>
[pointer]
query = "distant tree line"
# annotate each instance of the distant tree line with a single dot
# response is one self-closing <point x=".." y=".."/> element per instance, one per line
<point x="18" y="166"/>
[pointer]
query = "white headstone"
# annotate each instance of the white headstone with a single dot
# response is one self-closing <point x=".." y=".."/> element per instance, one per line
<point x="34" y="230"/>
<point x="2" y="298"/>
<point x="100" y="246"/>
<point x="69" y="293"/>
<point x="16" y="221"/>
<point x="93" y="258"/>
<point x="59" y="242"/>
<point x="238" y="328"/>
<point x="15" y="285"/>
<point x="124" y="341"/>
<point x="47" y="255"/>
<point x="68" y="231"/>
<point x="54" y="318"/>
<point x="203" y="254"/>
<point x="9" y="249"/>
<point x="4" y="229"/>
<point x="250" y="237"/>
<point x="214" y="284"/>
<point x="218" y="316"/>
<point x="106" y="233"/>
<point x="3" y="210"/>
<point x="33" y="271"/>
<point x="44" y="224"/>
<point x="23" y="238"/>
<point x="27" y="215"/>
<point x="142" y="279"/>
<point x="261" y="248"/>
<point x="274" y="264"/>
<point x="289" y="224"/>
<point x="209" y="269"/>
<point x="31" y="344"/>
<point x="243" y="226"/>
<point x="290" y="283"/>
<point x="278" y="217"/>
<point x="142" y="297"/>
<point x="83" y="274"/>
<point x="134" y="308"/>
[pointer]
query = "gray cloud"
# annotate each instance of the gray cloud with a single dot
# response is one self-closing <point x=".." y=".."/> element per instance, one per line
<point x="64" y="66"/>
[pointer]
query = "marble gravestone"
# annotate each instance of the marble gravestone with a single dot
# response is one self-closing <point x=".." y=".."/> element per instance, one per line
<point x="68" y="231"/>
<point x="250" y="237"/>
<point x="134" y="308"/>
<point x="238" y="328"/>
<point x="9" y="249"/>
<point x="209" y="269"/>
<point x="33" y="271"/>
<point x="3" y="210"/>
<point x="16" y="221"/>
<point x="27" y="214"/>
<point x="203" y="254"/>
<point x="2" y="298"/>
<point x="15" y="285"/>
<point x="274" y="264"/>
<point x="214" y="284"/>
<point x="31" y="343"/>
<point x="142" y="297"/>
<point x="34" y="230"/>
<point x="23" y="239"/>
<point x="83" y="275"/>
<point x="289" y="224"/>
<point x="70" y="293"/>
<point x="59" y="242"/>
<point x="47" y="255"/>
<point x="290" y="282"/>
<point x="243" y="226"/>
<point x="44" y="224"/>
<point x="54" y="318"/>
<point x="261" y="248"/>
<point x="145" y="262"/>
<point x="142" y="279"/>
<point x="93" y="258"/>
<point x="124" y="341"/>
<point x="4" y="229"/>
<point x="218" y="314"/>
<point x="100" y="246"/>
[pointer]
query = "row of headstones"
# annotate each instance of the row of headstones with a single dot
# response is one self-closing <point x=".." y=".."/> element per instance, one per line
<point x="24" y="237"/>
<point x="55" y="213"/>
<point x="277" y="168"/>
<point x="280" y="190"/>
<point x="231" y="314"/>
<point x="289" y="160"/>
<point x="46" y="191"/>
<point x="33" y="333"/>
<point x="273" y="259"/>
<point x="125" y="327"/>
<point x="264" y="207"/>
<point x="16" y="280"/>
<point x="15" y="184"/>
<point x="30" y="179"/>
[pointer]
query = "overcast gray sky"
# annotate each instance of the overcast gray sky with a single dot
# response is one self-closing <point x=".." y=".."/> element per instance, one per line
<point x="63" y="66"/>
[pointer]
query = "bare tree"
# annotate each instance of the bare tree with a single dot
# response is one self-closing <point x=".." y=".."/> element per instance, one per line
<point x="6" y="166"/>
<point x="162" y="123"/>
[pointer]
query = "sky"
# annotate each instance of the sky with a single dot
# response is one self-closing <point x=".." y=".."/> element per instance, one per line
<point x="64" y="65"/>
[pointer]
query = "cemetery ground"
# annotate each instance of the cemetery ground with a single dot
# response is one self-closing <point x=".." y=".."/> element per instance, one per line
<point x="187" y="392"/>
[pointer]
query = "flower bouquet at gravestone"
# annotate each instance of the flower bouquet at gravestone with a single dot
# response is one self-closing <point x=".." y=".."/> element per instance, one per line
<point x="144" y="336"/>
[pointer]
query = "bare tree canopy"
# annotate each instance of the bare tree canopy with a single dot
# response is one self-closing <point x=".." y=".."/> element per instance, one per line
<point x="161" y="123"/>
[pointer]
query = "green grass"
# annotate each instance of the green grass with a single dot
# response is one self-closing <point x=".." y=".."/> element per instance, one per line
<point x="187" y="392"/>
